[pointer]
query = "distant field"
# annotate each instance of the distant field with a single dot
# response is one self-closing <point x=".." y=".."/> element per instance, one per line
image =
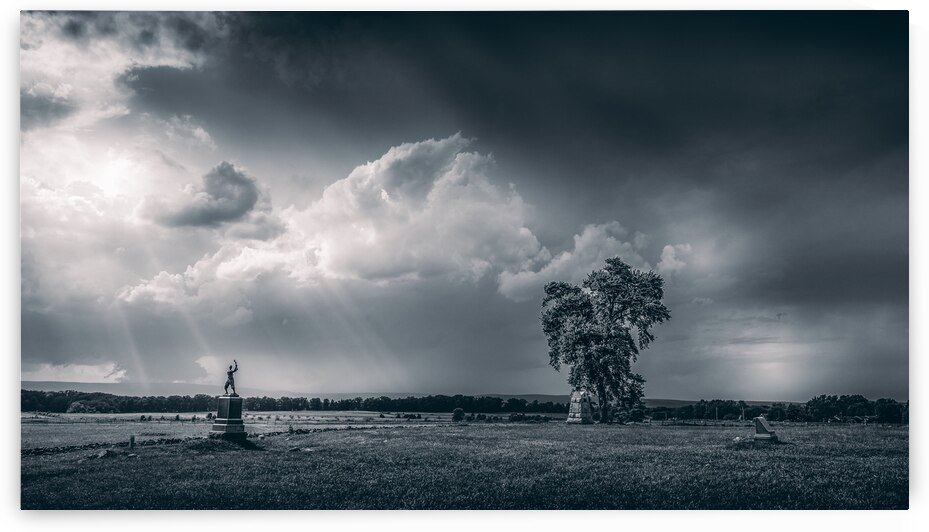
<point x="58" y="430"/>
<point x="443" y="465"/>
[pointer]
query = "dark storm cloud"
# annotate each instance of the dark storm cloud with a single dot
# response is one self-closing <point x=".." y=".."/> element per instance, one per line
<point x="305" y="50"/>
<point x="621" y="95"/>
<point x="228" y="194"/>
<point x="189" y="30"/>
<point x="82" y="25"/>
<point x="189" y="34"/>
<point x="40" y="110"/>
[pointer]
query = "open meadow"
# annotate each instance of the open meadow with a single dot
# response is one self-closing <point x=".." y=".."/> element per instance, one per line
<point x="398" y="464"/>
<point x="74" y="430"/>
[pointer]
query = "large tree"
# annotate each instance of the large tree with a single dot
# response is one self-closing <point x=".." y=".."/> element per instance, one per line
<point x="599" y="328"/>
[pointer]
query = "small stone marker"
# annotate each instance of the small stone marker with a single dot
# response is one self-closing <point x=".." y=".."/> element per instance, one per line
<point x="580" y="410"/>
<point x="132" y="442"/>
<point x="763" y="431"/>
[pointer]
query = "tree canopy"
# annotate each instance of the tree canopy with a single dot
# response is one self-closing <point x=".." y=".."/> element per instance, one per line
<point x="599" y="328"/>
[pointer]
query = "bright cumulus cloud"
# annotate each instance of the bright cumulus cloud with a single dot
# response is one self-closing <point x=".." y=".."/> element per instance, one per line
<point x="423" y="210"/>
<point x="673" y="258"/>
<point x="592" y="247"/>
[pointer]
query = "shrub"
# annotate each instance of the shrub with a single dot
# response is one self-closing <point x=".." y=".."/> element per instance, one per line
<point x="177" y="417"/>
<point x="458" y="414"/>
<point x="78" y="407"/>
<point x="142" y="418"/>
<point x="482" y="417"/>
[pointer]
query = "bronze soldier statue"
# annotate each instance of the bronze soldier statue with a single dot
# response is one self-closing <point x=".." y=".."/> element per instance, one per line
<point x="230" y="381"/>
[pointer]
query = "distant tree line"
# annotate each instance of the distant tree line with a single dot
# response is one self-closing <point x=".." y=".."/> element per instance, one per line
<point x="429" y="403"/>
<point x="98" y="402"/>
<point x="820" y="408"/>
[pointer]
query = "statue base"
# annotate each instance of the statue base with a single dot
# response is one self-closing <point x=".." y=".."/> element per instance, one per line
<point x="228" y="424"/>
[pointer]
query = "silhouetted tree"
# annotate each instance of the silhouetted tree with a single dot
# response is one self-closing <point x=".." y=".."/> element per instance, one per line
<point x="823" y="407"/>
<point x="888" y="411"/>
<point x="599" y="328"/>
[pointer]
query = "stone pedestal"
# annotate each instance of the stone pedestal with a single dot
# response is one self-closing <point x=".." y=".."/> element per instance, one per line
<point x="580" y="410"/>
<point x="228" y="423"/>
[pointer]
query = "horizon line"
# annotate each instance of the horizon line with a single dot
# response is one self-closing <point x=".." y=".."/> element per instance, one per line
<point x="423" y="394"/>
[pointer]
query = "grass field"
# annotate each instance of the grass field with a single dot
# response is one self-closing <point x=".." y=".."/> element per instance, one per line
<point x="57" y="430"/>
<point x="487" y="466"/>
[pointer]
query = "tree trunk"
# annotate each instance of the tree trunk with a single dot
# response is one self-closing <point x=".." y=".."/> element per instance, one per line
<point x="604" y="407"/>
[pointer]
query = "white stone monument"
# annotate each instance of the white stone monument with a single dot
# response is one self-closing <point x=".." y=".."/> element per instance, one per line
<point x="581" y="408"/>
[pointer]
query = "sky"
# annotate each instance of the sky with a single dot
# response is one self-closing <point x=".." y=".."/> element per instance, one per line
<point x="373" y="202"/>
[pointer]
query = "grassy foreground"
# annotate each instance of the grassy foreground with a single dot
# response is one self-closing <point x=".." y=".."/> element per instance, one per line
<point x="477" y="466"/>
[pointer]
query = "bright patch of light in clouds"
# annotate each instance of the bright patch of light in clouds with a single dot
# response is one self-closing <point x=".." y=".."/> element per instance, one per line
<point x="107" y="372"/>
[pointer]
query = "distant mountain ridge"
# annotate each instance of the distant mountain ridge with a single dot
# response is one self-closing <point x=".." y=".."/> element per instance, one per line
<point x="183" y="388"/>
<point x="152" y="388"/>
